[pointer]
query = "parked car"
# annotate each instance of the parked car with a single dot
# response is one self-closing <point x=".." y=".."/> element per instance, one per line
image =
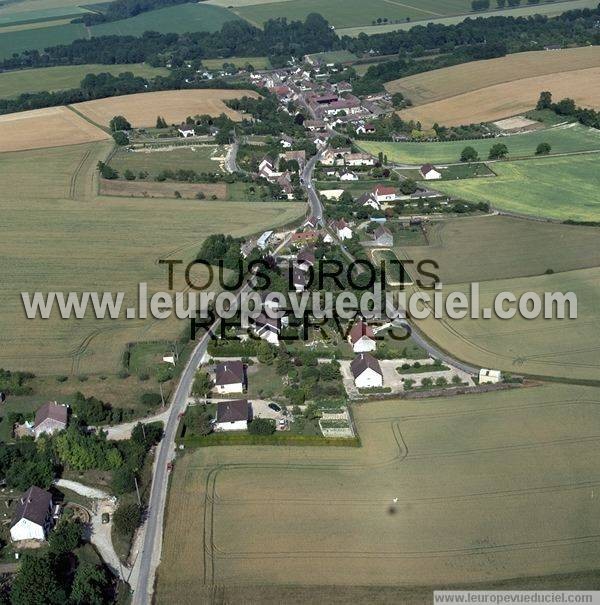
<point x="275" y="407"/>
<point x="105" y="518"/>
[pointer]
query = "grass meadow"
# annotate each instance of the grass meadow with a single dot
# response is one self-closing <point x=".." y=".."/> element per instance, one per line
<point x="472" y="476"/>
<point x="559" y="348"/>
<point x="60" y="235"/>
<point x="563" y="139"/>
<point x="549" y="9"/>
<point x="14" y="83"/>
<point x="488" y="247"/>
<point x="560" y="188"/>
<point x="178" y="19"/>
<point x="193" y="157"/>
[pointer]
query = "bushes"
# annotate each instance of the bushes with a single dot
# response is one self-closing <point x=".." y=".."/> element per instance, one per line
<point x="150" y="399"/>
<point x="127" y="519"/>
<point x="262" y="426"/>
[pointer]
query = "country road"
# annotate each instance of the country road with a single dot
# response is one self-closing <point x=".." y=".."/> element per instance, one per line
<point x="147" y="560"/>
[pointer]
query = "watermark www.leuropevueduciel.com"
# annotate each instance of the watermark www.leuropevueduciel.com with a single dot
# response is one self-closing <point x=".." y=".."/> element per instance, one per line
<point x="372" y="297"/>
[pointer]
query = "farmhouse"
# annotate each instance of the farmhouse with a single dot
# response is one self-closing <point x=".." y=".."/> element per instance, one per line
<point x="365" y="129"/>
<point x="359" y="159"/>
<point x="315" y="125"/>
<point x="33" y="516"/>
<point x="368" y="199"/>
<point x="361" y="337"/>
<point x="348" y="176"/>
<point x="382" y="236"/>
<point x="305" y="259"/>
<point x="312" y="221"/>
<point x="186" y="130"/>
<point x="50" y="418"/>
<point x="233" y="415"/>
<point x="263" y="241"/>
<point x="299" y="156"/>
<point x="286" y="141"/>
<point x="429" y="172"/>
<point x="304" y="237"/>
<point x="384" y="194"/>
<point x="341" y="229"/>
<point x="230" y="377"/>
<point x="489" y="376"/>
<point x="334" y="157"/>
<point x="366" y="371"/>
<point x="266" y="169"/>
<point x="300" y="279"/>
<point x="267" y="328"/>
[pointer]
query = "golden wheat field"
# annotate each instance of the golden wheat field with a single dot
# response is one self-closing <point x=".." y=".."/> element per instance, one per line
<point x="456" y="80"/>
<point x="59" y="235"/>
<point x="487" y="487"/>
<point x="508" y="99"/>
<point x="173" y="105"/>
<point x="40" y="128"/>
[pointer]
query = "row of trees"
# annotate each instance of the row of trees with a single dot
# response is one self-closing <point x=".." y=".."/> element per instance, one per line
<point x="499" y="151"/>
<point x="567" y="107"/>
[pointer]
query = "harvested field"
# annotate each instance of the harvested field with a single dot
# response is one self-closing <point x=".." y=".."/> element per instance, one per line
<point x="510" y="98"/>
<point x="561" y="188"/>
<point x="153" y="189"/>
<point x="174" y="105"/>
<point x="489" y="486"/>
<point x="51" y="127"/>
<point x="565" y="349"/>
<point x="59" y="235"/>
<point x="456" y="80"/>
<point x="499" y="247"/>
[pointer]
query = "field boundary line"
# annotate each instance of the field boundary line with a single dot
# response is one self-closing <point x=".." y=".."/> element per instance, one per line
<point x="88" y="120"/>
<point x="421" y="10"/>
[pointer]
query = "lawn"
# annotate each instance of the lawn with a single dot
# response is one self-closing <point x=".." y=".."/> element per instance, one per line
<point x="559" y="188"/>
<point x="59" y="235"/>
<point x="155" y="160"/>
<point x="472" y="476"/>
<point x="499" y="247"/>
<point x="566" y="349"/>
<point x="256" y="62"/>
<point x="563" y="139"/>
<point x="14" y="83"/>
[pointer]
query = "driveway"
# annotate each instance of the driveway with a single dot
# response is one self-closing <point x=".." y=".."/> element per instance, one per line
<point x="100" y="533"/>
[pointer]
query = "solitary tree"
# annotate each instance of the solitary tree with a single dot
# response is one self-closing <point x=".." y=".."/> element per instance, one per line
<point x="161" y="122"/>
<point x="545" y="100"/>
<point x="498" y="151"/>
<point x="543" y="149"/>
<point x="120" y="137"/>
<point x="469" y="155"/>
<point x="119" y="123"/>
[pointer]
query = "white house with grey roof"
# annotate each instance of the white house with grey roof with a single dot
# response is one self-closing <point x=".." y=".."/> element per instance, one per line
<point x="33" y="516"/>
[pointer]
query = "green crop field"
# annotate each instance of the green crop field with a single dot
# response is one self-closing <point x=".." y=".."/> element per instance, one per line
<point x="567" y="348"/>
<point x="15" y="83"/>
<point x="498" y="247"/>
<point x="472" y="476"/>
<point x="175" y="19"/>
<point x="58" y="234"/>
<point x="153" y="161"/>
<point x="39" y="38"/>
<point x="178" y="19"/>
<point x="560" y="188"/>
<point x="549" y="9"/>
<point x="563" y="139"/>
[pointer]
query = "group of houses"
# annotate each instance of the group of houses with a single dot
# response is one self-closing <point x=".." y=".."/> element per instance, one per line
<point x="345" y="157"/>
<point x="268" y="168"/>
<point x="365" y="369"/>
